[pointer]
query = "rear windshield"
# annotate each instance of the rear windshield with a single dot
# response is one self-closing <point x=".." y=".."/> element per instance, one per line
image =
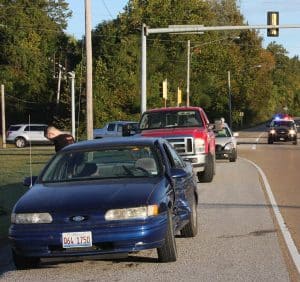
<point x="165" y="119"/>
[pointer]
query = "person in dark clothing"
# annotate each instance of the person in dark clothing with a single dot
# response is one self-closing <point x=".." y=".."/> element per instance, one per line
<point x="59" y="139"/>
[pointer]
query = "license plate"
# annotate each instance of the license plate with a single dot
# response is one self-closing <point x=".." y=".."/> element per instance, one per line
<point x="281" y="139"/>
<point x="77" y="239"/>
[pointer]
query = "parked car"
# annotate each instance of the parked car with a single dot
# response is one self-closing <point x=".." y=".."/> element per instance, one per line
<point x="108" y="196"/>
<point x="226" y="143"/>
<point x="23" y="134"/>
<point x="117" y="129"/>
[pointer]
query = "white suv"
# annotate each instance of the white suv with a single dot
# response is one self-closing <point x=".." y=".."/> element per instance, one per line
<point x="23" y="134"/>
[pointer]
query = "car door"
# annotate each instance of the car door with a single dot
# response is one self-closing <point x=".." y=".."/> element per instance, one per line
<point x="111" y="130"/>
<point x="35" y="133"/>
<point x="184" y="186"/>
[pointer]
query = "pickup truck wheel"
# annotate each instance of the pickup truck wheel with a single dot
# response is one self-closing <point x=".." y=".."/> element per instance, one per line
<point x="191" y="228"/>
<point x="168" y="251"/>
<point x="208" y="174"/>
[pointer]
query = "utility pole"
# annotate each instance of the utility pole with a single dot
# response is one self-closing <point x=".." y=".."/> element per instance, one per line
<point x="58" y="84"/>
<point x="229" y="100"/>
<point x="188" y="74"/>
<point x="89" y="71"/>
<point x="72" y="77"/>
<point x="3" y="117"/>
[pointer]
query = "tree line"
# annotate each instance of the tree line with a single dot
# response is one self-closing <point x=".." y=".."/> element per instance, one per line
<point x="35" y="48"/>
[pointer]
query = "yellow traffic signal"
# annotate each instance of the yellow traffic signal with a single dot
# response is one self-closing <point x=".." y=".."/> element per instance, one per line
<point x="163" y="89"/>
<point x="179" y="96"/>
<point x="273" y="19"/>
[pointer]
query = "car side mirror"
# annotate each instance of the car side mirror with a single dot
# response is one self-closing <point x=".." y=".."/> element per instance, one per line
<point x="29" y="181"/>
<point x="178" y="173"/>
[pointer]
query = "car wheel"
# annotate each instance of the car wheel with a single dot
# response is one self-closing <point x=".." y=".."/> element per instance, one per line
<point x="208" y="174"/>
<point x="270" y="141"/>
<point x="295" y="142"/>
<point x="168" y="251"/>
<point x="191" y="229"/>
<point x="24" y="262"/>
<point x="20" y="142"/>
<point x="233" y="156"/>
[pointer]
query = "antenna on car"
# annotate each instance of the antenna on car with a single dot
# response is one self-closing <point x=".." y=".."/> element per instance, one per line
<point x="30" y="155"/>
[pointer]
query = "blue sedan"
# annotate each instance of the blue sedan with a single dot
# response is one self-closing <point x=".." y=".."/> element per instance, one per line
<point x="108" y="196"/>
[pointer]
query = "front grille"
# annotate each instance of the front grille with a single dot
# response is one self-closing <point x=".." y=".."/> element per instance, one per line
<point x="183" y="145"/>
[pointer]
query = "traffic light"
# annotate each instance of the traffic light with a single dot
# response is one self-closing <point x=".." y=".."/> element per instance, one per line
<point x="163" y="89"/>
<point x="273" y="19"/>
<point x="179" y="96"/>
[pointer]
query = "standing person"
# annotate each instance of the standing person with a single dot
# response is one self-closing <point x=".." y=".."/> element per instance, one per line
<point x="59" y="138"/>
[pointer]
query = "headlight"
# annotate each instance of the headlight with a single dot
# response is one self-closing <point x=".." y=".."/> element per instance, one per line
<point x="272" y="131"/>
<point x="30" y="218"/>
<point x="229" y="146"/>
<point x="131" y="213"/>
<point x="292" y="132"/>
<point x="199" y="145"/>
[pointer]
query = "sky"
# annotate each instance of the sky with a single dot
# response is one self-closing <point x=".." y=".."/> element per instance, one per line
<point x="254" y="11"/>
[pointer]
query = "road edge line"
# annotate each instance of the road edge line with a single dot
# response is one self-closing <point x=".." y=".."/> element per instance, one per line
<point x="284" y="230"/>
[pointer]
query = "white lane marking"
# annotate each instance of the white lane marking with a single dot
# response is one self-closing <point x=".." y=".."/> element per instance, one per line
<point x="257" y="140"/>
<point x="285" y="232"/>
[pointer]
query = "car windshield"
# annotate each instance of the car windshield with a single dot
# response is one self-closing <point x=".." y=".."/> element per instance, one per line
<point x="223" y="133"/>
<point x="278" y="123"/>
<point x="129" y="161"/>
<point x="165" y="119"/>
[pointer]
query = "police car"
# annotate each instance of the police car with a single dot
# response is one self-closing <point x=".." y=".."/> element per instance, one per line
<point x="282" y="129"/>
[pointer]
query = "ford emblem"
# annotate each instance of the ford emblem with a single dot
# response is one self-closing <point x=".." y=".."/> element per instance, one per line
<point x="78" y="218"/>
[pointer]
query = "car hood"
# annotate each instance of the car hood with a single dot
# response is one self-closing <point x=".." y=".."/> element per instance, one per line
<point x="222" y="141"/>
<point x="88" y="195"/>
<point x="166" y="132"/>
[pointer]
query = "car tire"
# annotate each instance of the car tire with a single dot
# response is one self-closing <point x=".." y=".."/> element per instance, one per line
<point x="168" y="251"/>
<point x="20" y="142"/>
<point x="295" y="142"/>
<point x="191" y="229"/>
<point x="208" y="174"/>
<point x="24" y="262"/>
<point x="270" y="141"/>
<point x="233" y="156"/>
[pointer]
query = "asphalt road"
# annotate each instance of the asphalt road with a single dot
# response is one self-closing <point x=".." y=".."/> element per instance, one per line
<point x="238" y="240"/>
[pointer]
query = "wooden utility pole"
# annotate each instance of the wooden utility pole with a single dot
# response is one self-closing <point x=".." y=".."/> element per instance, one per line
<point x="3" y="116"/>
<point x="89" y="72"/>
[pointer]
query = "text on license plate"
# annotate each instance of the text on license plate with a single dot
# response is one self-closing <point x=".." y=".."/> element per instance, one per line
<point x="77" y="239"/>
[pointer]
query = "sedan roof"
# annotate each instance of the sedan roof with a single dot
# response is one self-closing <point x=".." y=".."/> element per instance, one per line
<point x="115" y="141"/>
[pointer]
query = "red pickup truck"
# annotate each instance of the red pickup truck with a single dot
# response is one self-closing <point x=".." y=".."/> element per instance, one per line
<point x="189" y="131"/>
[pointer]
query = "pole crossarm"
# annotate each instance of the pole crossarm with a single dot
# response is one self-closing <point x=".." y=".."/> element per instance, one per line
<point x="201" y="28"/>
